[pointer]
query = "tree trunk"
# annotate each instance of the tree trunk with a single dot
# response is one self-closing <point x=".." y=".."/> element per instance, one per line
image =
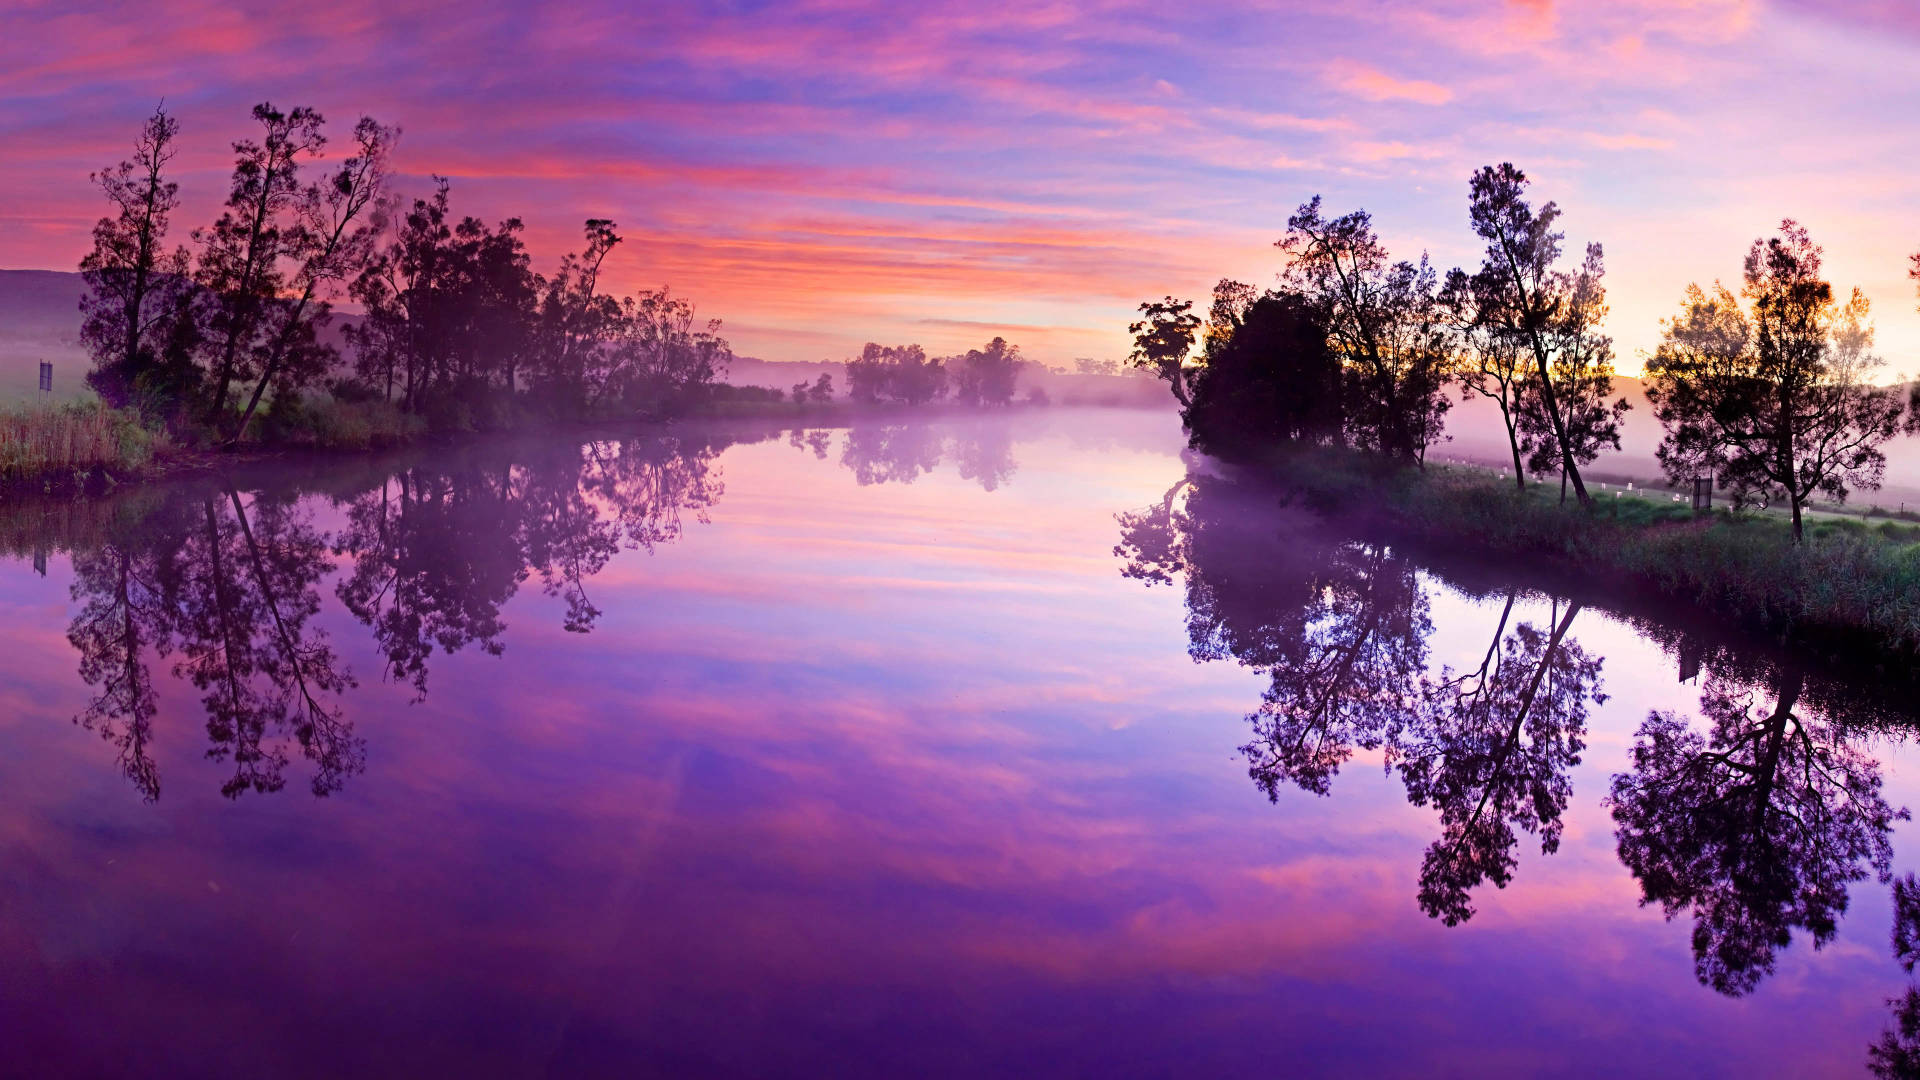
<point x="1548" y="401"/>
<point x="1513" y="444"/>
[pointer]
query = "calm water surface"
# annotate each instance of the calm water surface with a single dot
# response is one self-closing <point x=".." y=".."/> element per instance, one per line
<point x="1015" y="747"/>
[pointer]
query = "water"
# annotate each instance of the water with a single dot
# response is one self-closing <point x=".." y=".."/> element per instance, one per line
<point x="725" y="751"/>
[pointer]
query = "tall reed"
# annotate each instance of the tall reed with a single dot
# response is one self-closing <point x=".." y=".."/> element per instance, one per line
<point x="41" y="441"/>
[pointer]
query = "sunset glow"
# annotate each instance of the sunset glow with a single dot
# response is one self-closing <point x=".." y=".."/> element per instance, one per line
<point x="824" y="174"/>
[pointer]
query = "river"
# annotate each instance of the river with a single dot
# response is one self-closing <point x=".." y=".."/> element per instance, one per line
<point x="1018" y="745"/>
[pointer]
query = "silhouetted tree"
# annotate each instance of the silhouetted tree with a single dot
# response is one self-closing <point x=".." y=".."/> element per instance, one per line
<point x="1759" y="826"/>
<point x="1385" y="323"/>
<point x="136" y="288"/>
<point x="1268" y="375"/>
<point x="1779" y="402"/>
<point x="242" y="253"/>
<point x="658" y="353"/>
<point x="1495" y="365"/>
<point x="1541" y="309"/>
<point x="1582" y="380"/>
<point x="451" y="313"/>
<point x="577" y="320"/>
<point x="334" y="236"/>
<point x="1162" y="341"/>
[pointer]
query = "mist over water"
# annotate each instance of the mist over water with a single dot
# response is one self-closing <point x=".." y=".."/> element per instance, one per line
<point x="1024" y="744"/>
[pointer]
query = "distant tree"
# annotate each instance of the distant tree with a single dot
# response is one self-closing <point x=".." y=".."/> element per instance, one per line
<point x="820" y="391"/>
<point x="1084" y="365"/>
<point x="1386" y="324"/>
<point x="242" y="252"/>
<point x="899" y="373"/>
<point x="1162" y="340"/>
<point x="1582" y="377"/>
<point x="1779" y="402"/>
<point x="338" y="225"/>
<point x="662" y="353"/>
<point x="1536" y="306"/>
<point x="1268" y="375"/>
<point x="987" y="376"/>
<point x="134" y="284"/>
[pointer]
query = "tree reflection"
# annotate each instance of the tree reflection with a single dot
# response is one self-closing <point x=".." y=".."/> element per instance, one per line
<point x="1896" y="1055"/>
<point x="1340" y="628"/>
<point x="124" y="611"/>
<point x="891" y="453"/>
<point x="229" y="590"/>
<point x="226" y="586"/>
<point x="881" y="453"/>
<point x="1491" y="750"/>
<point x="1759" y="825"/>
<point x="437" y="554"/>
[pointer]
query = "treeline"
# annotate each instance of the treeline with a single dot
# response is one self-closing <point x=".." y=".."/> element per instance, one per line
<point x="224" y="337"/>
<point x="906" y="375"/>
<point x="1770" y="392"/>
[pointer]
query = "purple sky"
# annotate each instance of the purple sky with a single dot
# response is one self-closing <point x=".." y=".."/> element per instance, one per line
<point x="823" y="174"/>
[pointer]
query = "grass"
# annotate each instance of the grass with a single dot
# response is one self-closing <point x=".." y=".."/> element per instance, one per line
<point x="61" y="440"/>
<point x="1850" y="580"/>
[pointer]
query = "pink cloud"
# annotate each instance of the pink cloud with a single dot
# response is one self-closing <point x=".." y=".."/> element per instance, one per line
<point x="1373" y="84"/>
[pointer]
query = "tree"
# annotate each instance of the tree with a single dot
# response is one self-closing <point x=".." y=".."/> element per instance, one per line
<point x="900" y="373"/>
<point x="134" y="285"/>
<point x="987" y="376"/>
<point x="334" y="238"/>
<point x="241" y="253"/>
<point x="1534" y="304"/>
<point x="1162" y="338"/>
<point x="577" y="320"/>
<point x="1779" y="400"/>
<point x="661" y="353"/>
<point x="1582" y="380"/>
<point x="1268" y="374"/>
<point x="1385" y="323"/>
<point x="1495" y="366"/>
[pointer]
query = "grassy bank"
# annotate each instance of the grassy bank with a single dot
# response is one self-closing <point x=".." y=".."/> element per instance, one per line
<point x="58" y="441"/>
<point x="1850" y="583"/>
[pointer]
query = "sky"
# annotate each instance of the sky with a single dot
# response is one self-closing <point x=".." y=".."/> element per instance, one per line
<point x="822" y="174"/>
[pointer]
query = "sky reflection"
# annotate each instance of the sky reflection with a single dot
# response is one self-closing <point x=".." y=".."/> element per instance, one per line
<point x="905" y="776"/>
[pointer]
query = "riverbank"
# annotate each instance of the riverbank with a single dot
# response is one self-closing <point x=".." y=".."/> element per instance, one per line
<point x="138" y="456"/>
<point x="1850" y="586"/>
